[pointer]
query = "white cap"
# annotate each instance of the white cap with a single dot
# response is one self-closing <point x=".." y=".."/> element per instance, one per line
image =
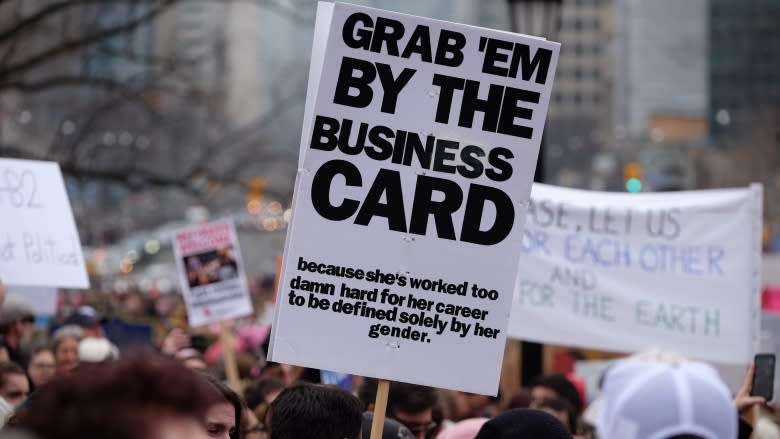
<point x="656" y="400"/>
<point x="96" y="350"/>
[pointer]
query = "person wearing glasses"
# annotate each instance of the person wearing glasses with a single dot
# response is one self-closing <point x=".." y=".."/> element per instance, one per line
<point x="412" y="405"/>
<point x="17" y="326"/>
<point x="42" y="367"/>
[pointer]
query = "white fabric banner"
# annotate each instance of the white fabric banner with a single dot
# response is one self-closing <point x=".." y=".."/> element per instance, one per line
<point x="418" y="152"/>
<point x="627" y="272"/>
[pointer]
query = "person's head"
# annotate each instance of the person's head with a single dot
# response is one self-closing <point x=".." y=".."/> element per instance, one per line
<point x="42" y="366"/>
<point x="524" y="424"/>
<point x="412" y="405"/>
<point x="391" y="429"/>
<point x="561" y="409"/>
<point x="651" y="399"/>
<point x="274" y="370"/>
<point x="262" y="391"/>
<point x="552" y="387"/>
<point x="520" y="399"/>
<point x="89" y="320"/>
<point x="17" y="322"/>
<point x="139" y="396"/>
<point x="66" y="346"/>
<point x="14" y="386"/>
<point x="315" y="411"/>
<point x="224" y="417"/>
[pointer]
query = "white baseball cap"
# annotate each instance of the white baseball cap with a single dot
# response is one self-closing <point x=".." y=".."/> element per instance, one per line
<point x="645" y="399"/>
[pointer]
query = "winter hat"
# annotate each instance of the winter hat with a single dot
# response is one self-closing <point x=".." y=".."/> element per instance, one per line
<point x="655" y="400"/>
<point x="524" y="424"/>
<point x="96" y="350"/>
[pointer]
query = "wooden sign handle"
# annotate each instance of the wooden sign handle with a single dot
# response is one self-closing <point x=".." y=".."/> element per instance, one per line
<point x="380" y="407"/>
<point x="229" y="357"/>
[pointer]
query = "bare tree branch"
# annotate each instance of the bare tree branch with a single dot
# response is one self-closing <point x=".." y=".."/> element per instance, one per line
<point x="40" y="16"/>
<point x="65" y="81"/>
<point x="79" y="43"/>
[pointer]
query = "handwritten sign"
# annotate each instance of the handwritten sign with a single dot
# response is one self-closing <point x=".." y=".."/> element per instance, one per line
<point x="211" y="272"/>
<point x="39" y="243"/>
<point x="629" y="272"/>
<point x="417" y="159"/>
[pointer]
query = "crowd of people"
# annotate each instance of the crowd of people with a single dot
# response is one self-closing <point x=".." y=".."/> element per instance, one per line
<point x="75" y="382"/>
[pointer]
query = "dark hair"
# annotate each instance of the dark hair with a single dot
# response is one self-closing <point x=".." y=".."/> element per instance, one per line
<point x="563" y="387"/>
<point x="123" y="399"/>
<point x="523" y="423"/>
<point x="315" y="411"/>
<point x="561" y="405"/>
<point x="410" y="398"/>
<point x="227" y="394"/>
<point x="259" y="389"/>
<point x="366" y="392"/>
<point x="9" y="368"/>
<point x="520" y="399"/>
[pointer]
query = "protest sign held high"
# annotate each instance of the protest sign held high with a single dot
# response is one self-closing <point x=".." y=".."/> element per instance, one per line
<point x="212" y="276"/>
<point x="418" y="151"/>
<point x="629" y="272"/>
<point x="37" y="231"/>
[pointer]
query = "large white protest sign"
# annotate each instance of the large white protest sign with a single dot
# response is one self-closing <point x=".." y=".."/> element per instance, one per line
<point x="212" y="276"/>
<point x="628" y="272"/>
<point x="39" y="243"/>
<point x="401" y="254"/>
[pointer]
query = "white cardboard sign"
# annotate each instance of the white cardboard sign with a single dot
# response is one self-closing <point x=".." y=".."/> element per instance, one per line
<point x="211" y="273"/>
<point x="39" y="243"/>
<point x="418" y="156"/>
<point x="623" y="272"/>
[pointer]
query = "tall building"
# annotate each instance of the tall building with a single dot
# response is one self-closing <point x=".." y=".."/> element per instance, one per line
<point x="580" y="109"/>
<point x="661" y="63"/>
<point x="744" y="74"/>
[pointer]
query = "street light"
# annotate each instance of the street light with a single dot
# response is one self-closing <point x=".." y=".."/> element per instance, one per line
<point x="535" y="17"/>
<point x="538" y="18"/>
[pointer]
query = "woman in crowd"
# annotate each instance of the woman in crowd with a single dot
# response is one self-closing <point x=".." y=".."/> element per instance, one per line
<point x="224" y="418"/>
<point x="137" y="397"/>
<point x="42" y="367"/>
<point x="66" y="347"/>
